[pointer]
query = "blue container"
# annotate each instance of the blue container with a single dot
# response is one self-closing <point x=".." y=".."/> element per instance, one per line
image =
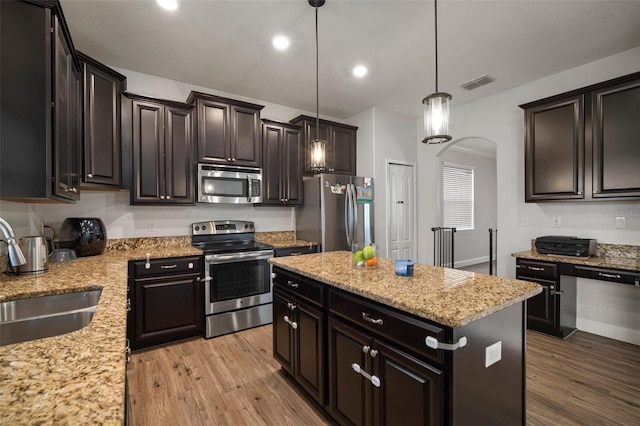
<point x="404" y="267"/>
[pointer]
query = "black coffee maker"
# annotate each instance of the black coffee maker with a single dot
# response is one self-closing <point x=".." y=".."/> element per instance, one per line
<point x="86" y="235"/>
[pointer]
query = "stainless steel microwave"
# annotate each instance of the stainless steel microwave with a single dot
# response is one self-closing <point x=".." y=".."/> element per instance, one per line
<point x="229" y="184"/>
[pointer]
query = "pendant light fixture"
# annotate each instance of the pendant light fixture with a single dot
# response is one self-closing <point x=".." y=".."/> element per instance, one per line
<point x="318" y="146"/>
<point x="436" y="105"/>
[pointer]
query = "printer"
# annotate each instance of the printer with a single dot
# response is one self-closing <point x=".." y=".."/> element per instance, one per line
<point x="567" y="246"/>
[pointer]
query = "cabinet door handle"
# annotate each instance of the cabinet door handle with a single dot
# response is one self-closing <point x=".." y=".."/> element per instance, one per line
<point x="535" y="268"/>
<point x="295" y="253"/>
<point x="168" y="197"/>
<point x="291" y="306"/>
<point x="366" y="317"/>
<point x="229" y="159"/>
<point x="128" y="305"/>
<point x="373" y="379"/>
<point x="233" y="160"/>
<point x="293" y="324"/>
<point x="89" y="175"/>
<point x="602" y="274"/>
<point x="433" y="343"/>
<point x="162" y="197"/>
<point x="365" y="349"/>
<point x="292" y="284"/>
<point x="373" y="353"/>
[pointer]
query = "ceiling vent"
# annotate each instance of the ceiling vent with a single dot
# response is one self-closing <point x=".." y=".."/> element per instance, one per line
<point x="477" y="82"/>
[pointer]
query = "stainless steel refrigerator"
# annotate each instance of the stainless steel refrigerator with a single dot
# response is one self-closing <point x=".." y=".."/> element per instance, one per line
<point x="337" y="211"/>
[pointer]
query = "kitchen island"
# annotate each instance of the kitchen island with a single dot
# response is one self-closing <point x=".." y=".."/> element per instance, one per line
<point x="441" y="347"/>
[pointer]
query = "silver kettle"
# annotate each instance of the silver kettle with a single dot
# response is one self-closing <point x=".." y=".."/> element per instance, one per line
<point x="36" y="253"/>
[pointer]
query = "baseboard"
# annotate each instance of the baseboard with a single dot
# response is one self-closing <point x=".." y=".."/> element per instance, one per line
<point x="608" y="330"/>
<point x="469" y="262"/>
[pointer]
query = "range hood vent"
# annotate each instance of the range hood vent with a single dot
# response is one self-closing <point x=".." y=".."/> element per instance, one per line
<point x="477" y="82"/>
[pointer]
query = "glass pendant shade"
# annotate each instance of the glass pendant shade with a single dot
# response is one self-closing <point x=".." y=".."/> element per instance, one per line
<point x="318" y="157"/>
<point x="436" y="118"/>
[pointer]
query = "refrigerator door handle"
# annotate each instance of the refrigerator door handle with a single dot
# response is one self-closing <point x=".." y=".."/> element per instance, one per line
<point x="354" y="208"/>
<point x="347" y="217"/>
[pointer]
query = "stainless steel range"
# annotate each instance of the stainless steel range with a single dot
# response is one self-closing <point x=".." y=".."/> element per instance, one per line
<point x="238" y="285"/>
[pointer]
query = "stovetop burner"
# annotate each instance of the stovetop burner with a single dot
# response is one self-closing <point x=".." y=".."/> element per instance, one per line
<point x="225" y="236"/>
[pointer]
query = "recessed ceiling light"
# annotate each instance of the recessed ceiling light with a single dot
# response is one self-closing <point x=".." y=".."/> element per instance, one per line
<point x="168" y="4"/>
<point x="360" y="71"/>
<point x="280" y="42"/>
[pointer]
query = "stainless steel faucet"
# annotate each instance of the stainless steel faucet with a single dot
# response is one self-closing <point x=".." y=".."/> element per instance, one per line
<point x="16" y="258"/>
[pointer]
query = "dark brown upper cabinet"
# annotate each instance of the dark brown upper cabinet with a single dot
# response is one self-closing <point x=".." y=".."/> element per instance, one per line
<point x="102" y="88"/>
<point x="39" y="104"/>
<point x="227" y="130"/>
<point x="340" y="149"/>
<point x="163" y="170"/>
<point x="282" y="178"/>
<point x="583" y="144"/>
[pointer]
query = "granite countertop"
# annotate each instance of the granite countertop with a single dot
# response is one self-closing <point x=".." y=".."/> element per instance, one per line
<point x="78" y="377"/>
<point x="292" y="244"/>
<point x="447" y="296"/>
<point x="600" y="261"/>
<point x="282" y="239"/>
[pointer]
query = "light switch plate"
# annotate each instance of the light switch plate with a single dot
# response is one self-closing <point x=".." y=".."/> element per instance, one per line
<point x="621" y="222"/>
<point x="524" y="221"/>
<point x="151" y="225"/>
<point x="556" y="222"/>
<point x="493" y="354"/>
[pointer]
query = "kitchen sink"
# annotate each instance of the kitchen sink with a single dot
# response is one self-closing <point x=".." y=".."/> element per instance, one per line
<point x="46" y="316"/>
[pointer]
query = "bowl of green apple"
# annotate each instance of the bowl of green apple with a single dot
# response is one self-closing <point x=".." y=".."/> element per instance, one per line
<point x="364" y="255"/>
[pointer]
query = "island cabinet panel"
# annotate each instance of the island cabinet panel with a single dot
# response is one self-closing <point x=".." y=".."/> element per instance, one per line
<point x="299" y="331"/>
<point x="399" y="389"/>
<point x="583" y="145"/>
<point x="228" y="130"/>
<point x="165" y="306"/>
<point x="102" y="88"/>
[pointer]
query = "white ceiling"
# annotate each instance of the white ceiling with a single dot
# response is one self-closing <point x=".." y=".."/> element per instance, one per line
<point x="226" y="45"/>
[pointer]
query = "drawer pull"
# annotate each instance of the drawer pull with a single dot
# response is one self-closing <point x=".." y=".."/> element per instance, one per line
<point x="292" y="284"/>
<point x="291" y="306"/>
<point x="365" y="349"/>
<point x="535" y="268"/>
<point x="433" y="343"/>
<point x="366" y="317"/>
<point x="373" y="353"/>
<point x="373" y="379"/>
<point x="296" y="253"/>
<point x="293" y="324"/>
<point x="602" y="274"/>
<point x="168" y="266"/>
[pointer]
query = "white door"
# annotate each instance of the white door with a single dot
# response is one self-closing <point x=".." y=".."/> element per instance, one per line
<point x="401" y="216"/>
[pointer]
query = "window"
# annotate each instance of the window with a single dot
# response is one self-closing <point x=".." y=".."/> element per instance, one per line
<point x="457" y="194"/>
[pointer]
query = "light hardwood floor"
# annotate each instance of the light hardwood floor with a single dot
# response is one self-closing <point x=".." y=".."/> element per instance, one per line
<point x="234" y="380"/>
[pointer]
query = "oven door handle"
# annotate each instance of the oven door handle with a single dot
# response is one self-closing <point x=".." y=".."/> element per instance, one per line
<point x="215" y="259"/>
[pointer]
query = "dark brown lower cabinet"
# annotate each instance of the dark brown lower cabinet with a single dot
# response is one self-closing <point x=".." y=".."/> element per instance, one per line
<point x="371" y="382"/>
<point x="166" y="301"/>
<point x="553" y="311"/>
<point x="298" y="336"/>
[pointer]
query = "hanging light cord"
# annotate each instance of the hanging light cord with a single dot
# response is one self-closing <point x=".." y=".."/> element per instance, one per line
<point x="317" y="84"/>
<point x="435" y="8"/>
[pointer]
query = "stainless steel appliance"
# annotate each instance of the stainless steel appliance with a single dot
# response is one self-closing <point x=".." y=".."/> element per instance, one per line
<point x="229" y="184"/>
<point x="238" y="283"/>
<point x="337" y="211"/>
<point x="36" y="255"/>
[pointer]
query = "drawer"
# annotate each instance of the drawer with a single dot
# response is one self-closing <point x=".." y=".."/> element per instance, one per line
<point x="303" y="287"/>
<point x="294" y="251"/>
<point x="603" y="274"/>
<point x="534" y="268"/>
<point x="393" y="326"/>
<point x="167" y="266"/>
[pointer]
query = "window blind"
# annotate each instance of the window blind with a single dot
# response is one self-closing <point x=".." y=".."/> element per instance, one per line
<point x="457" y="182"/>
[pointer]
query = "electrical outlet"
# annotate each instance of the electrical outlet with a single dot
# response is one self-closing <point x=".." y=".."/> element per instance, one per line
<point x="151" y="225"/>
<point x="556" y="222"/>
<point x="524" y="221"/>
<point x="493" y="354"/>
<point x="621" y="222"/>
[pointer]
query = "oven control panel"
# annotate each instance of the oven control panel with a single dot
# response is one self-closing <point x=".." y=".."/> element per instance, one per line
<point x="222" y="227"/>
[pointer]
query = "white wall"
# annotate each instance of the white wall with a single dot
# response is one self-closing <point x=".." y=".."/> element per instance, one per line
<point x="123" y="220"/>
<point x="499" y="119"/>
<point x="383" y="135"/>
<point x="472" y="246"/>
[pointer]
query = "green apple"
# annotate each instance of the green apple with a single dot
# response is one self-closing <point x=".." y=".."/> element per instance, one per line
<point x="368" y="252"/>
<point x="358" y="257"/>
